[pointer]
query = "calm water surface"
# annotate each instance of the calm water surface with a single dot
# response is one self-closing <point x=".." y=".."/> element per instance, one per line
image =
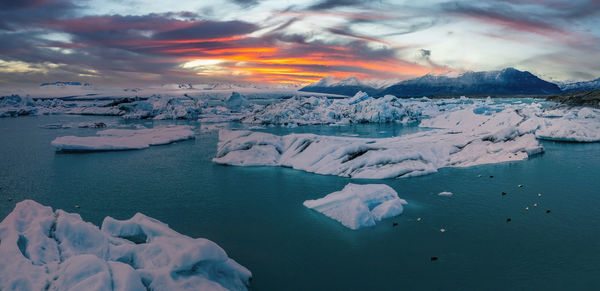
<point x="256" y="213"/>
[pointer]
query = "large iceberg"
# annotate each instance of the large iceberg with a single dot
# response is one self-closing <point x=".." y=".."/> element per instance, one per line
<point x="358" y="206"/>
<point x="43" y="249"/>
<point x="376" y="158"/>
<point x="124" y="139"/>
<point x="320" y="110"/>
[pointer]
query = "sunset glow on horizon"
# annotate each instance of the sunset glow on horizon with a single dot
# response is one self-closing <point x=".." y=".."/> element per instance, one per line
<point x="270" y="42"/>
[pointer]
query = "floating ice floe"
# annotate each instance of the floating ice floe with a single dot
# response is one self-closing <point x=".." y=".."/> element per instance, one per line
<point x="43" y="249"/>
<point x="124" y="139"/>
<point x="358" y="206"/>
<point x="445" y="193"/>
<point x="374" y="158"/>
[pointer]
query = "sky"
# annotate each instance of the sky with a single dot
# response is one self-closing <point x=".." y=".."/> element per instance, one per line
<point x="137" y="42"/>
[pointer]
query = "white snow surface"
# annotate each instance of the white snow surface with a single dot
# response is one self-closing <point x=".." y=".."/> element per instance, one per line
<point x="124" y="139"/>
<point x="358" y="206"/>
<point x="42" y="249"/>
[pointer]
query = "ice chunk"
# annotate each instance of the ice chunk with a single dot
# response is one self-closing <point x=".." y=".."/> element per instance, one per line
<point x="445" y="193"/>
<point x="358" y="206"/>
<point x="236" y="101"/>
<point x="43" y="249"/>
<point x="358" y="97"/>
<point x="124" y="139"/>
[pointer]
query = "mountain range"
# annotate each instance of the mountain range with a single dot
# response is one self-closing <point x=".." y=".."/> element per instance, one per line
<point x="508" y="81"/>
<point x="580" y="86"/>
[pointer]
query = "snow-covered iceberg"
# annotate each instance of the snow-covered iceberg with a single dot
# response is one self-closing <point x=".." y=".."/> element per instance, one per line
<point x="124" y="139"/>
<point x="320" y="110"/>
<point x="573" y="125"/>
<point x="15" y="105"/>
<point x="42" y="249"/>
<point x="561" y="124"/>
<point x="375" y="158"/>
<point x="358" y="206"/>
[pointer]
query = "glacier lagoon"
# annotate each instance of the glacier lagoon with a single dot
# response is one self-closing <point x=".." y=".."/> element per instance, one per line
<point x="256" y="213"/>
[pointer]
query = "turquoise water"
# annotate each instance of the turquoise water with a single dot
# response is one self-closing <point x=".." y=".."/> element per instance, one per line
<point x="256" y="213"/>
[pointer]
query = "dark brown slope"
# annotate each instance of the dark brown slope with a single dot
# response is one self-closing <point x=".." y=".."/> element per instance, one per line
<point x="585" y="98"/>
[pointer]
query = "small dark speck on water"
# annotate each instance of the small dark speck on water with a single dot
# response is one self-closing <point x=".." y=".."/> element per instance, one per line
<point x="491" y="176"/>
<point x="9" y="198"/>
<point x="433" y="259"/>
<point x="547" y="211"/>
<point x="508" y="219"/>
<point x="503" y="193"/>
<point x="394" y="224"/>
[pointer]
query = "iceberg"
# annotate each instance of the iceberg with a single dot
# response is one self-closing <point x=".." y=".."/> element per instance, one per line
<point x="574" y="125"/>
<point x="375" y="158"/>
<point x="42" y="249"/>
<point x="124" y="139"/>
<point x="236" y="101"/>
<point x="559" y="124"/>
<point x="320" y="110"/>
<point x="358" y="206"/>
<point x="15" y="105"/>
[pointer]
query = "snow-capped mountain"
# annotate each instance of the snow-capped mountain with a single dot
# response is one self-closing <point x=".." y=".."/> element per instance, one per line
<point x="348" y="86"/>
<point x="580" y="86"/>
<point x="508" y="81"/>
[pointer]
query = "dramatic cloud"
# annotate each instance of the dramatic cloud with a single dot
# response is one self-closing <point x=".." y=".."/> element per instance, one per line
<point x="107" y="41"/>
